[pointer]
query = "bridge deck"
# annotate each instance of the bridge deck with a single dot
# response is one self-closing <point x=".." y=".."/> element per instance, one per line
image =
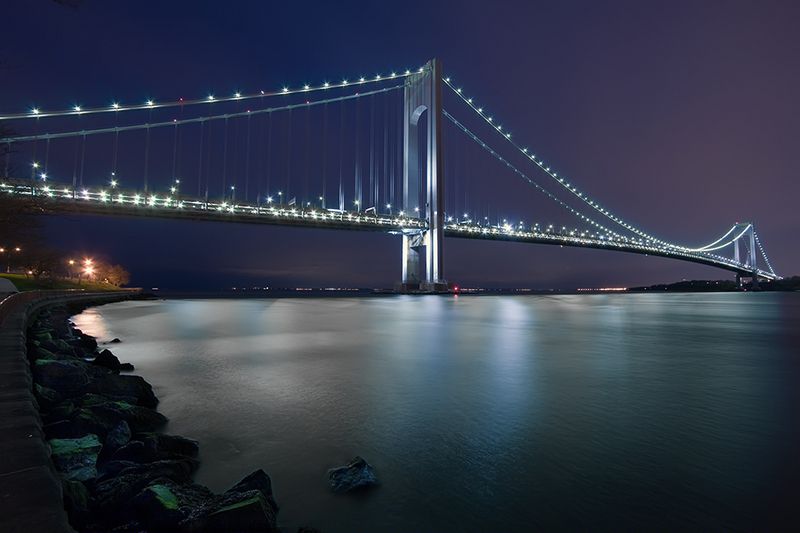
<point x="51" y="200"/>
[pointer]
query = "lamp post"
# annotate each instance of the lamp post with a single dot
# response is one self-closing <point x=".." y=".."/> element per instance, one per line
<point x="7" y="253"/>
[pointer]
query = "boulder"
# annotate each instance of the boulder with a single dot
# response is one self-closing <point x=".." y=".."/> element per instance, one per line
<point x="70" y="419"/>
<point x="138" y="418"/>
<point x="69" y="378"/>
<point x="47" y="398"/>
<point x="111" y="469"/>
<point x="58" y="346"/>
<point x="108" y="360"/>
<point x="157" y="507"/>
<point x="132" y="386"/>
<point x="242" y="512"/>
<point x="88" y="342"/>
<point x="357" y="474"/>
<point x="117" y="437"/>
<point x="76" y="459"/>
<point x="112" y="493"/>
<point x="137" y="452"/>
<point x="163" y="504"/>
<point x="171" y="444"/>
<point x="260" y="481"/>
<point x="76" y="502"/>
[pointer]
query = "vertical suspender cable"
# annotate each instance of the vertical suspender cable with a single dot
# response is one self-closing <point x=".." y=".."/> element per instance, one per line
<point x="147" y="148"/>
<point x="357" y="166"/>
<point x="8" y="158"/>
<point x="224" y="156"/>
<point x="200" y="161"/>
<point x="289" y="158"/>
<point x="75" y="166"/>
<point x="372" y="180"/>
<point x="115" y="151"/>
<point x="341" y="156"/>
<point x="46" y="155"/>
<point x="83" y="158"/>
<point x="247" y="163"/>
<point x="324" y="151"/>
<point x="307" y="154"/>
<point x="259" y="159"/>
<point x="177" y="169"/>
<point x="269" y="151"/>
<point x="174" y="151"/>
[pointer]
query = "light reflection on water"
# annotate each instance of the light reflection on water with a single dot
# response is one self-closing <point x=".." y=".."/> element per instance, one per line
<point x="607" y="412"/>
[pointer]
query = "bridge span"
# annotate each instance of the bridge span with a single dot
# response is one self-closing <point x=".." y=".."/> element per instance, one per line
<point x="52" y="199"/>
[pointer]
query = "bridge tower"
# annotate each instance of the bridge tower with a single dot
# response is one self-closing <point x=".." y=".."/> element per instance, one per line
<point x="423" y="164"/>
<point x="750" y="257"/>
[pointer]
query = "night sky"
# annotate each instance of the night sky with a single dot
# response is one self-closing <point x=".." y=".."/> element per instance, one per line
<point x="682" y="116"/>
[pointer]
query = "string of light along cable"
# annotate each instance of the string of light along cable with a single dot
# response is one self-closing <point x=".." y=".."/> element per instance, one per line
<point x="116" y="107"/>
<point x="763" y="253"/>
<point x="560" y="180"/>
<point x="721" y="246"/>
<point x="311" y="103"/>
<point x="550" y="195"/>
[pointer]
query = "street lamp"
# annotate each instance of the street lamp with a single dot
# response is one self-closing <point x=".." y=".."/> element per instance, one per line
<point x="17" y="249"/>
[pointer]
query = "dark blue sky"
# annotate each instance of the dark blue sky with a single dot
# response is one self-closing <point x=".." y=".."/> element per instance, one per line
<point x="681" y="116"/>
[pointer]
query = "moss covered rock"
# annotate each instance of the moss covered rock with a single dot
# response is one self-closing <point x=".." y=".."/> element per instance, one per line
<point x="69" y="378"/>
<point x="76" y="459"/>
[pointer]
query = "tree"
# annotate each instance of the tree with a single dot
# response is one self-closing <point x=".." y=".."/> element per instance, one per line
<point x="113" y="274"/>
<point x="42" y="262"/>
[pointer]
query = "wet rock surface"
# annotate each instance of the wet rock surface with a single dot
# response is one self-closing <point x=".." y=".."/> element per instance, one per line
<point x="119" y="472"/>
<point x="356" y="475"/>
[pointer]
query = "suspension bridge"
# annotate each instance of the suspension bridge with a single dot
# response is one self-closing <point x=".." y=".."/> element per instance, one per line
<point x="365" y="154"/>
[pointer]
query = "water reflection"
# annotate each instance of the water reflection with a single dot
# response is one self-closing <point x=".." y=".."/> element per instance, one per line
<point x="486" y="413"/>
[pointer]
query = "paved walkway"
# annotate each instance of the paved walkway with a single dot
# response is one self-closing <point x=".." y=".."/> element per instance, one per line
<point x="30" y="489"/>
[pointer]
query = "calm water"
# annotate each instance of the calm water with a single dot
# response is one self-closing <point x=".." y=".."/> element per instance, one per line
<point x="508" y="413"/>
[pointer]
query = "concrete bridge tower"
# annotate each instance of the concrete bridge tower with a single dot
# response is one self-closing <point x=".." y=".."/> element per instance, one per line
<point x="423" y="164"/>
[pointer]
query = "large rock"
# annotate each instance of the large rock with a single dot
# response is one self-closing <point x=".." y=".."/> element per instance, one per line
<point x="76" y="458"/>
<point x="76" y="502"/>
<point x="260" y="481"/>
<point x="69" y="378"/>
<point x="133" y="386"/>
<point x="47" y="398"/>
<point x="79" y="416"/>
<point x="163" y="504"/>
<point x="138" y="418"/>
<point x="108" y="360"/>
<point x="117" y="437"/>
<point x="136" y="451"/>
<point x="148" y="447"/>
<point x="170" y="444"/>
<point x="111" y="494"/>
<point x="358" y="474"/>
<point x="240" y="512"/>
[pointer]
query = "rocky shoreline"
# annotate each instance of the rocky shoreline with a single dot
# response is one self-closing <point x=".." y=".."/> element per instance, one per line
<point x="119" y="472"/>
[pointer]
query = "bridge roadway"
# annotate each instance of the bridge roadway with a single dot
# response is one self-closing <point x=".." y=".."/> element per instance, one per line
<point x="49" y="199"/>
